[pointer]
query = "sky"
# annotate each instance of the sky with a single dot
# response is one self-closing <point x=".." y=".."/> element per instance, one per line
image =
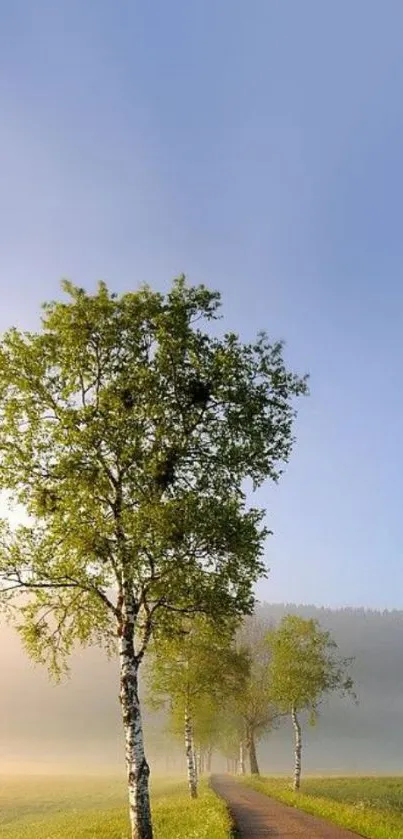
<point x="256" y="147"/>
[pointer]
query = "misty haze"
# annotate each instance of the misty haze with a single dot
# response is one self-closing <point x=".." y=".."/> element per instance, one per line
<point x="75" y="726"/>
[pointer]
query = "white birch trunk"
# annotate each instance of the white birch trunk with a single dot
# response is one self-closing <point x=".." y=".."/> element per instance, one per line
<point x="241" y="763"/>
<point x="298" y="749"/>
<point x="192" y="779"/>
<point x="137" y="767"/>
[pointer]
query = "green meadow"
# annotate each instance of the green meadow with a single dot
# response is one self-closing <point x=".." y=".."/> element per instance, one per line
<point x="96" y="808"/>
<point x="372" y="806"/>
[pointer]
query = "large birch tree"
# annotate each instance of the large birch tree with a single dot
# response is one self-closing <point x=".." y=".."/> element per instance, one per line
<point x="130" y="435"/>
<point x="305" y="667"/>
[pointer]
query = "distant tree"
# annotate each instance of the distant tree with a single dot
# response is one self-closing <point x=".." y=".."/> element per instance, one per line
<point x="229" y="734"/>
<point x="304" y="668"/>
<point x="255" y="709"/>
<point x="249" y="712"/>
<point x="192" y="673"/>
<point x="206" y="729"/>
<point x="128" y="432"/>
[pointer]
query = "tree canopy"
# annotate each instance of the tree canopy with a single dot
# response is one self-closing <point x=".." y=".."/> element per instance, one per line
<point x="305" y="665"/>
<point x="127" y="433"/>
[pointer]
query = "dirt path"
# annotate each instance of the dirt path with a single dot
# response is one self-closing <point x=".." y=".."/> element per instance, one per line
<point x="257" y="816"/>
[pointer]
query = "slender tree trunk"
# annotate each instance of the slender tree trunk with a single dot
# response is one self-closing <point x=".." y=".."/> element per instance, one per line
<point x="251" y="746"/>
<point x="241" y="764"/>
<point x="298" y="749"/>
<point x="192" y="779"/>
<point x="137" y="767"/>
<point x="209" y="756"/>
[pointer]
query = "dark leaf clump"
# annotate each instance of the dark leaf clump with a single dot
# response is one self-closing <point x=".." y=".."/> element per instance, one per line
<point x="127" y="398"/>
<point x="199" y="393"/>
<point x="165" y="470"/>
<point x="46" y="501"/>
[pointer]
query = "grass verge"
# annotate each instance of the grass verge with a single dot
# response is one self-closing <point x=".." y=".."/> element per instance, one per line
<point x="71" y="808"/>
<point x="371" y="807"/>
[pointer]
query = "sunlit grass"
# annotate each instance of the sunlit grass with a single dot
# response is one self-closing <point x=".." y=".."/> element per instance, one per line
<point x="373" y="807"/>
<point x="96" y="808"/>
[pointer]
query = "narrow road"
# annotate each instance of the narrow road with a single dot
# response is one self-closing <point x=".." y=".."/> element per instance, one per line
<point x="257" y="816"/>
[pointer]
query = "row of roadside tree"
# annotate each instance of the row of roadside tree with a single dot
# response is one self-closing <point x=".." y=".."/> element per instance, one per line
<point x="224" y="692"/>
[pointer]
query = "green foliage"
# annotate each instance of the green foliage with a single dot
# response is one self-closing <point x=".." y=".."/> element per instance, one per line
<point x="84" y="808"/>
<point x="305" y="665"/>
<point x="65" y="607"/>
<point x="130" y="434"/>
<point x="196" y="669"/>
<point x="206" y="720"/>
<point x="371" y="807"/>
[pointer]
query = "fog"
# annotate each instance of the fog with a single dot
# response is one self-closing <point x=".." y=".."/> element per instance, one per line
<point x="75" y="726"/>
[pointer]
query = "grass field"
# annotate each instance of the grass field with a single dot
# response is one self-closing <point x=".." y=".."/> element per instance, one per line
<point x="95" y="808"/>
<point x="373" y="807"/>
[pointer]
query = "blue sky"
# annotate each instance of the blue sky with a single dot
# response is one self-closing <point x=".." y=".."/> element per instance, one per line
<point x="257" y="147"/>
